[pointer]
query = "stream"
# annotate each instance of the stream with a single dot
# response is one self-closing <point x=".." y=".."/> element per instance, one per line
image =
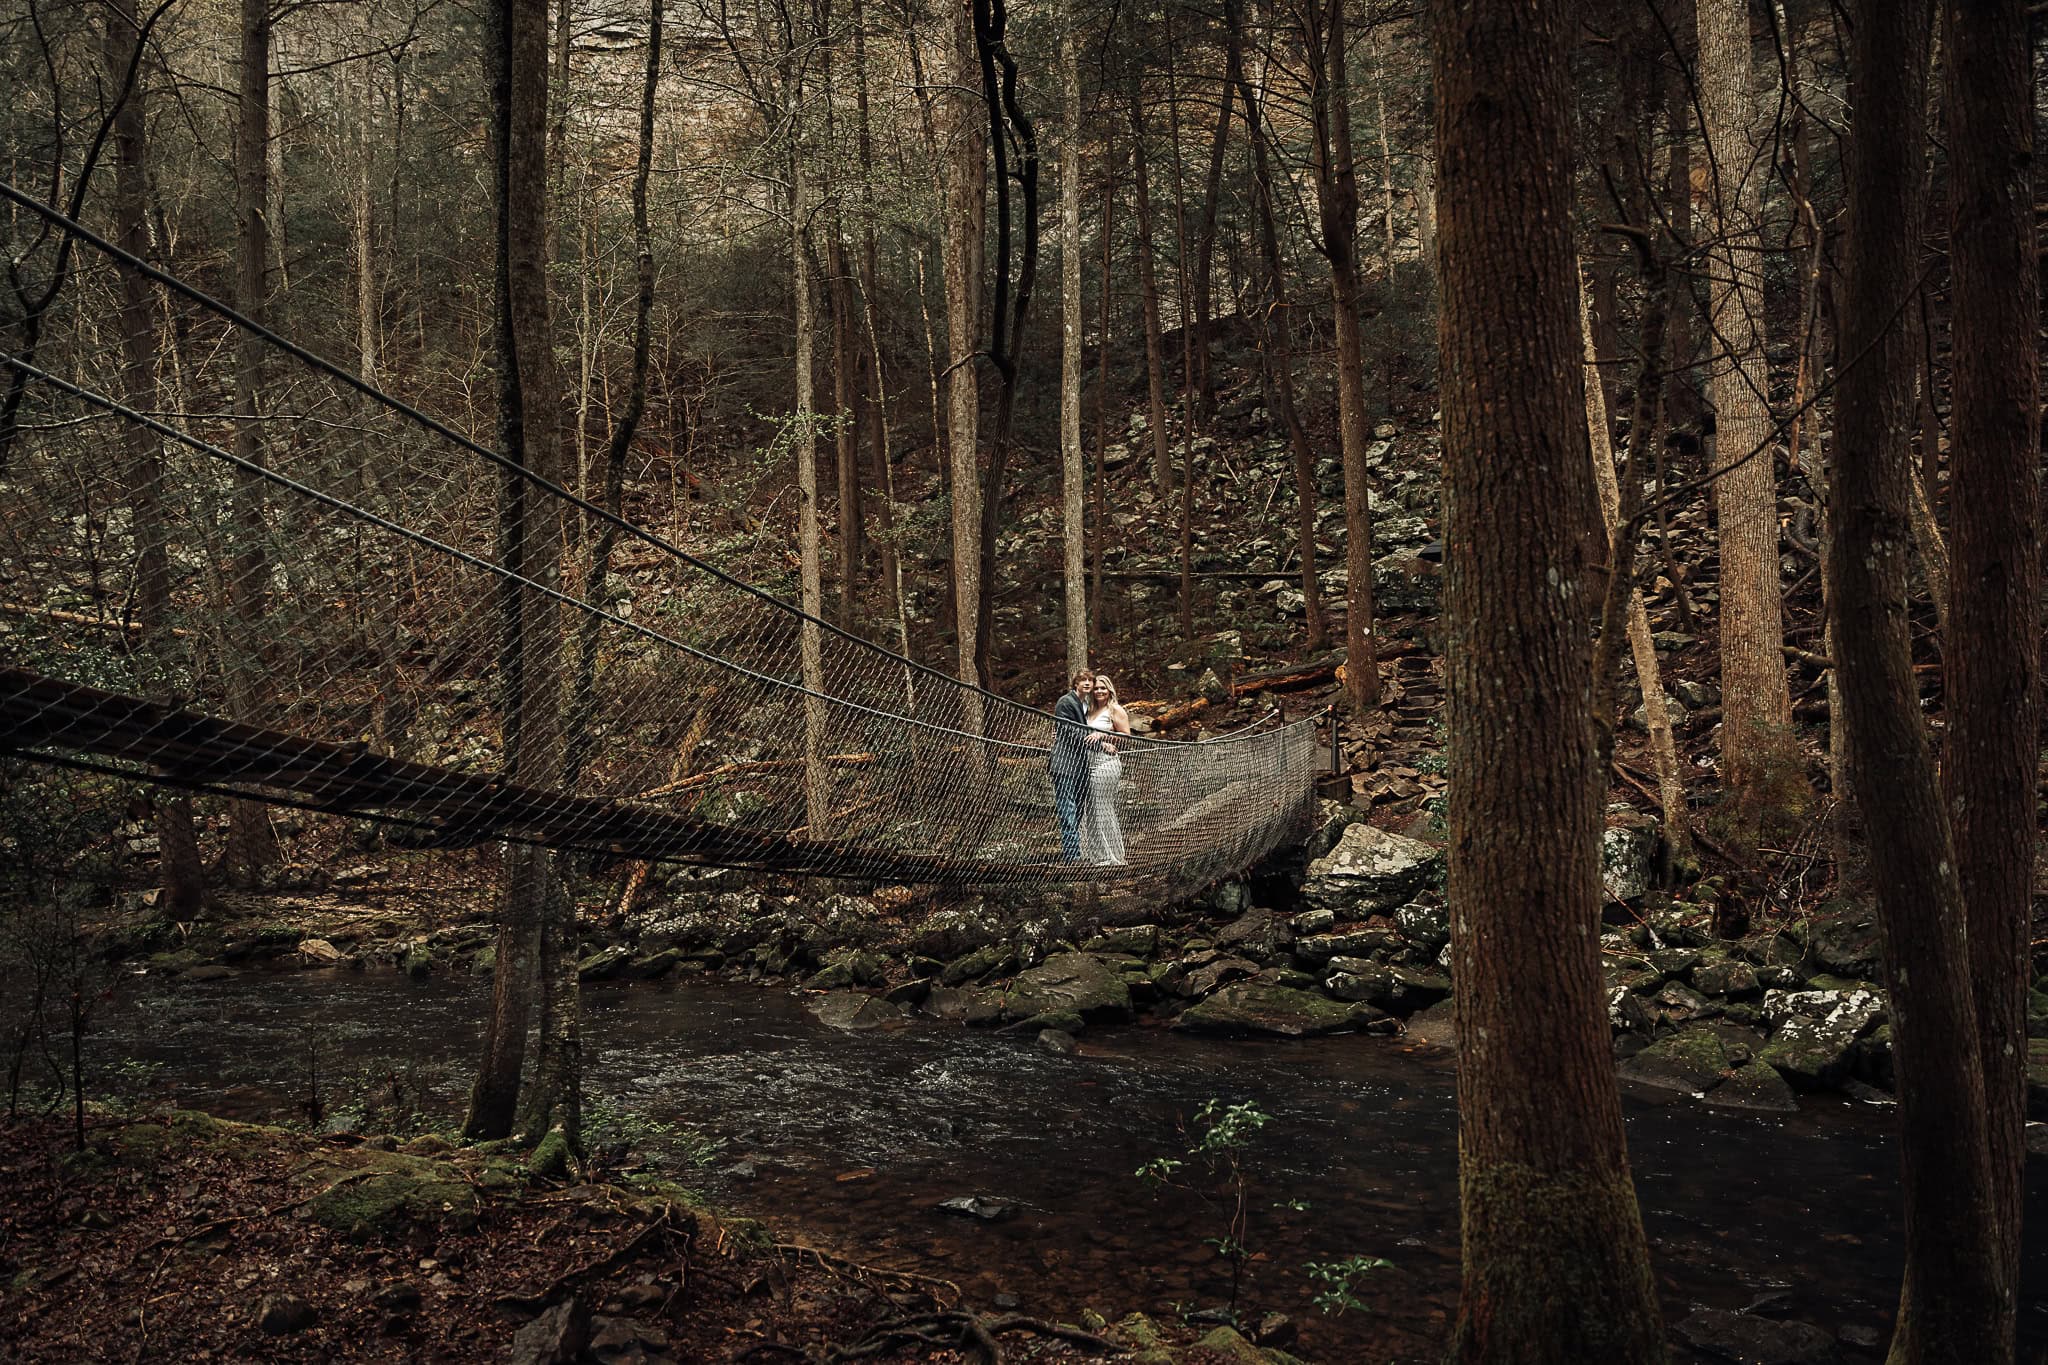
<point x="850" y="1141"/>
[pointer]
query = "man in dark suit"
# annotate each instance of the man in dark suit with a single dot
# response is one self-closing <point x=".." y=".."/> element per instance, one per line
<point x="1068" y="762"/>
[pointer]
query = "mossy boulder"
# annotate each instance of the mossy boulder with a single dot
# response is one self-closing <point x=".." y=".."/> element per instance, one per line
<point x="1693" y="1061"/>
<point x="1261" y="1006"/>
<point x="385" y="1193"/>
<point x="606" y="964"/>
<point x="1133" y="940"/>
<point x="418" y="961"/>
<point x="982" y="962"/>
<point x="1078" y="983"/>
<point x="844" y="967"/>
<point x="1725" y="979"/>
<point x="1818" y="1033"/>
<point x="654" y="966"/>
<point x="1140" y="1334"/>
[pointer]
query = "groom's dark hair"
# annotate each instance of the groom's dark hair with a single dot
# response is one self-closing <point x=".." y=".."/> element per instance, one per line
<point x="1079" y="674"/>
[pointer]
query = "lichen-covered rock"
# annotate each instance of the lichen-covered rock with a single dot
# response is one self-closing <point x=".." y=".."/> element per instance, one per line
<point x="1370" y="870"/>
<point x="1080" y="982"/>
<point x="1314" y="922"/>
<point x="1428" y="927"/>
<point x="955" y="932"/>
<point x="1397" y="990"/>
<point x="1818" y="1032"/>
<point x="1725" y="979"/>
<point x="1625" y="856"/>
<point x="1261" y="1007"/>
<point x="1693" y="1061"/>
<point x="1320" y="948"/>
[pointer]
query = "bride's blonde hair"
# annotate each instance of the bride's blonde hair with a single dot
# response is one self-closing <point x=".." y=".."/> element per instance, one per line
<point x="1103" y="680"/>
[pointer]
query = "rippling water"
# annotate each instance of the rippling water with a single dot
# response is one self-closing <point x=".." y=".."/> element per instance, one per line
<point x="853" y="1139"/>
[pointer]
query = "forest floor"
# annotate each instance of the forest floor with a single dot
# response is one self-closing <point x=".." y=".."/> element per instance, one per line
<point x="178" y="1236"/>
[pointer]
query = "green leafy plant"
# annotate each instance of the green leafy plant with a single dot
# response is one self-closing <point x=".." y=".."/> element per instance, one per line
<point x="1219" y="1143"/>
<point x="617" y="1131"/>
<point x="1336" y="1279"/>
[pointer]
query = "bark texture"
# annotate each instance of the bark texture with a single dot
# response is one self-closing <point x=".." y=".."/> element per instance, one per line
<point x="966" y="206"/>
<point x="1953" y="1295"/>
<point x="143" y="455"/>
<point x="529" y="540"/>
<point x="1759" y="757"/>
<point x="252" y="846"/>
<point x="1337" y="195"/>
<point x="1073" y="475"/>
<point x="1992" y="659"/>
<point x="1555" y="1265"/>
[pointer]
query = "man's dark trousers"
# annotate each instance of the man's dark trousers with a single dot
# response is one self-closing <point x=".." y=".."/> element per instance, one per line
<point x="1068" y="764"/>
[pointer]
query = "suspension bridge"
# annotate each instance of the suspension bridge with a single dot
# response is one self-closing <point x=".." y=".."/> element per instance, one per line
<point x="323" y="610"/>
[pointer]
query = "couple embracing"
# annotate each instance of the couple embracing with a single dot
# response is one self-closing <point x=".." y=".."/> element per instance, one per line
<point x="1088" y="728"/>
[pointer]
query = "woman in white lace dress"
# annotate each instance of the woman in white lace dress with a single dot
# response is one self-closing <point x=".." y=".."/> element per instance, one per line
<point x="1102" y="833"/>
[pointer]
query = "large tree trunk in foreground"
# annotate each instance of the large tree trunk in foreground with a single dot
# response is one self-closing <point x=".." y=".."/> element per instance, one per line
<point x="1992" y="660"/>
<point x="1555" y="1265"/>
<point x="535" y="911"/>
<point x="1954" y="1296"/>
<point x="1760" y="761"/>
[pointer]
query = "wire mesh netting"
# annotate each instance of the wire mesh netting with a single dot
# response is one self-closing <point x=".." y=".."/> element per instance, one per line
<point x="340" y="602"/>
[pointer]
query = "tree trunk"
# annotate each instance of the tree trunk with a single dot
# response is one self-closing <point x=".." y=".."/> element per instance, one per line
<point x="534" y="928"/>
<point x="1954" y="1297"/>
<point x="1148" y="283"/>
<point x="1992" y="661"/>
<point x="1555" y="1264"/>
<point x="845" y="378"/>
<point x="1621" y="556"/>
<point x="143" y="456"/>
<point x="1100" y="521"/>
<point x="1185" y="306"/>
<point x="252" y="846"/>
<point x="1760" y="759"/>
<point x="966" y="208"/>
<point x="817" y="788"/>
<point x="1205" y="253"/>
<point x="1073" y="474"/>
<point x="1275" y="330"/>
<point x="1337" y="195"/>
<point x="878" y="389"/>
